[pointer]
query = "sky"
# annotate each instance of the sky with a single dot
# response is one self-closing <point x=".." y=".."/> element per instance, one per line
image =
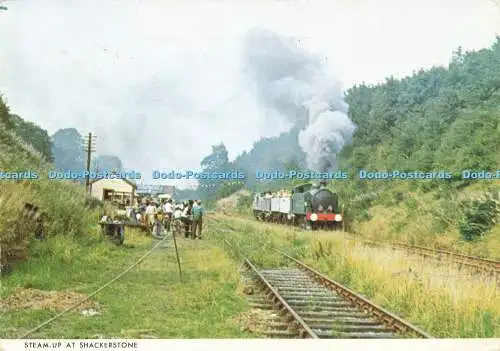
<point x="159" y="82"/>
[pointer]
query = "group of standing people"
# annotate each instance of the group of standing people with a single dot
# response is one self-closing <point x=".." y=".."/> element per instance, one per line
<point x="166" y="216"/>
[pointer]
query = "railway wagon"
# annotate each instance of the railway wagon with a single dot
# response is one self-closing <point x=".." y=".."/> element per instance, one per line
<point x="262" y="206"/>
<point x="309" y="205"/>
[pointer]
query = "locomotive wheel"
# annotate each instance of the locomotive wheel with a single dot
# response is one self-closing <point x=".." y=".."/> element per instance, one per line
<point x="303" y="225"/>
<point x="306" y="225"/>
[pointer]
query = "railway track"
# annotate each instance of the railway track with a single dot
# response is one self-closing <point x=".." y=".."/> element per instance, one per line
<point x="310" y="305"/>
<point x="480" y="264"/>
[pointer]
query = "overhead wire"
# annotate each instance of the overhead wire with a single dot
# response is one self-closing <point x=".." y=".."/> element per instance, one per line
<point x="142" y="258"/>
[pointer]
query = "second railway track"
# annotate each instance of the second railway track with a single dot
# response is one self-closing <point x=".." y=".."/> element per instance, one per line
<point x="479" y="264"/>
<point x="310" y="305"/>
<point x="483" y="265"/>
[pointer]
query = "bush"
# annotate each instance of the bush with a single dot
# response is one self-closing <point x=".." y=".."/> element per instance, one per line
<point x="244" y="204"/>
<point x="479" y="217"/>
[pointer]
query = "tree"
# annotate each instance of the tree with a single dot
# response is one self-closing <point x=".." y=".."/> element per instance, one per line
<point x="106" y="162"/>
<point x="217" y="161"/>
<point x="31" y="133"/>
<point x="67" y="150"/>
<point x="4" y="113"/>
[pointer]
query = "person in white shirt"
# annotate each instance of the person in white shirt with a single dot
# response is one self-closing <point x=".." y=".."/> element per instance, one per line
<point x="168" y="209"/>
<point x="131" y="211"/>
<point x="177" y="221"/>
<point x="150" y="213"/>
<point x="177" y="212"/>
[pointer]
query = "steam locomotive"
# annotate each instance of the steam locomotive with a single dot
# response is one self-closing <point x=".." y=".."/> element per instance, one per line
<point x="309" y="206"/>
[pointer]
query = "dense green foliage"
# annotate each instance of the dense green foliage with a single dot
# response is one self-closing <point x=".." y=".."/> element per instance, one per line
<point x="4" y="114"/>
<point x="217" y="161"/>
<point x="244" y="204"/>
<point x="480" y="216"/>
<point x="29" y="133"/>
<point x="436" y="119"/>
<point x="34" y="135"/>
<point x="212" y="189"/>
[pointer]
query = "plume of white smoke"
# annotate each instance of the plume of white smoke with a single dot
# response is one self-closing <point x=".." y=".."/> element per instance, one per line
<point x="293" y="82"/>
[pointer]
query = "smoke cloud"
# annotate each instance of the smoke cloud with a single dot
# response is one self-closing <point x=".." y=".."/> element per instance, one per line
<point x="293" y="82"/>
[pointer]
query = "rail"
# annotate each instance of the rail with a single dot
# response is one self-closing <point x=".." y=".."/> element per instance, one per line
<point x="489" y="266"/>
<point x="305" y="332"/>
<point x="486" y="265"/>
<point x="390" y="320"/>
<point x="300" y="291"/>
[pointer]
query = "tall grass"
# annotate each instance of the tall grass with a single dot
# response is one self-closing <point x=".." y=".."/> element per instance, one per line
<point x="147" y="302"/>
<point x="67" y="208"/>
<point x="434" y="219"/>
<point x="440" y="299"/>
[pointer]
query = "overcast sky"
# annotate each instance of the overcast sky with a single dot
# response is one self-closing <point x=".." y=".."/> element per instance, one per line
<point x="159" y="81"/>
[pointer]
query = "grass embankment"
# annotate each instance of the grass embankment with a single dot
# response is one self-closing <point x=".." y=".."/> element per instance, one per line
<point x="441" y="300"/>
<point x="67" y="210"/>
<point x="432" y="219"/>
<point x="148" y="302"/>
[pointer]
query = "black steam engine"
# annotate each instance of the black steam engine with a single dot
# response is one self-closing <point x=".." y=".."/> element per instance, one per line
<point x="308" y="205"/>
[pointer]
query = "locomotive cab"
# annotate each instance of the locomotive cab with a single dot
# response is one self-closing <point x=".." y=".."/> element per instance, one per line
<point x="302" y="188"/>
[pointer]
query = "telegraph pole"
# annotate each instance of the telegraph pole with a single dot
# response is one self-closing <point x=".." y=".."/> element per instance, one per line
<point x="89" y="148"/>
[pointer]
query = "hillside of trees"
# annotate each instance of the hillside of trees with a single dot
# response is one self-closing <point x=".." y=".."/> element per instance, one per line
<point x="439" y="119"/>
<point x="442" y="118"/>
<point x="27" y="134"/>
<point x="32" y="134"/>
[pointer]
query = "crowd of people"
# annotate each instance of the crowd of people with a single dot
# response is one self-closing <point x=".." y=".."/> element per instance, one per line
<point x="169" y="216"/>
<point x="281" y="193"/>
